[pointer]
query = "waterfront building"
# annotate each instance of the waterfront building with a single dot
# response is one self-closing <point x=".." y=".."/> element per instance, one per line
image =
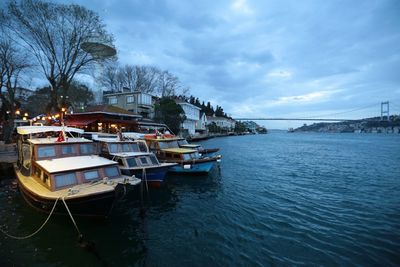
<point x="222" y="122"/>
<point x="192" y="114"/>
<point x="201" y="124"/>
<point x="104" y="118"/>
<point x="134" y="101"/>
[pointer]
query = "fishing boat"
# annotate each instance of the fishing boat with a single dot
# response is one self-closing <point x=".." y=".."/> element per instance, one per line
<point x="63" y="174"/>
<point x="134" y="158"/>
<point x="189" y="160"/>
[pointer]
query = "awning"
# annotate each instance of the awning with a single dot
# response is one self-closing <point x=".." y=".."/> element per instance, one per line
<point x="79" y="121"/>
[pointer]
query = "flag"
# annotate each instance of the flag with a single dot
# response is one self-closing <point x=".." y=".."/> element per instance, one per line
<point x="60" y="137"/>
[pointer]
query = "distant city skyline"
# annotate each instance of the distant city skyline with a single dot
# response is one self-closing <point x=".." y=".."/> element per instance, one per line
<point x="267" y="58"/>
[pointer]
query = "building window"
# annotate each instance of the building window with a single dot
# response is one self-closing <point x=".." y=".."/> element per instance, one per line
<point x="112" y="100"/>
<point x="130" y="99"/>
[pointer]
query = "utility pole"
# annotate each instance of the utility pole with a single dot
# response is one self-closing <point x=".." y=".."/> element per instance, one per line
<point x="385" y="110"/>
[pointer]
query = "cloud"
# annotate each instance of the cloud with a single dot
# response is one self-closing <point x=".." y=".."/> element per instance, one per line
<point x="261" y="57"/>
<point x="241" y="6"/>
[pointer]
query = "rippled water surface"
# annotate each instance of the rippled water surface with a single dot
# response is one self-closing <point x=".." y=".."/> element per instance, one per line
<point x="277" y="199"/>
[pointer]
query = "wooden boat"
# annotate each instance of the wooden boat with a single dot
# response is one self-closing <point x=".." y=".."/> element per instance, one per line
<point x="176" y="142"/>
<point x="189" y="160"/>
<point x="67" y="171"/>
<point x="134" y="158"/>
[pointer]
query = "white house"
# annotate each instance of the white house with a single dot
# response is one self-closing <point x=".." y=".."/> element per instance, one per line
<point x="192" y="114"/>
<point x="224" y="123"/>
<point x="201" y="124"/>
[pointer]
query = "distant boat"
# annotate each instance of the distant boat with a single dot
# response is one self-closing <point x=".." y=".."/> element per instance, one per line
<point x="67" y="170"/>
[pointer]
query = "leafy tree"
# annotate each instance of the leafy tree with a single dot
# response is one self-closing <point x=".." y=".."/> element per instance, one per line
<point x="170" y="113"/>
<point x="54" y="34"/>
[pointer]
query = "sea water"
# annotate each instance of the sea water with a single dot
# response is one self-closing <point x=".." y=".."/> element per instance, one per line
<point x="277" y="199"/>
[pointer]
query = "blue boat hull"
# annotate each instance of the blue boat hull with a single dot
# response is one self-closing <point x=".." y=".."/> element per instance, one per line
<point x="199" y="167"/>
<point x="154" y="175"/>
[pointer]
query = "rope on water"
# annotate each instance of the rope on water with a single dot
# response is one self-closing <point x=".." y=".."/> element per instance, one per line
<point x="144" y="176"/>
<point x="37" y="231"/>
<point x="72" y="218"/>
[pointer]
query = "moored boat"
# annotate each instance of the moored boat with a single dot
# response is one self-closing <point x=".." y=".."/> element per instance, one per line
<point x="134" y="158"/>
<point x="189" y="160"/>
<point x="65" y="173"/>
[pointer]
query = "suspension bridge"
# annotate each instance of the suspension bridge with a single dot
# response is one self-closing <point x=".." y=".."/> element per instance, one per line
<point x="384" y="115"/>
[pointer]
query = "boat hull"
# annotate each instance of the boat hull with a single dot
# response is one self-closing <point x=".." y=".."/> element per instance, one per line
<point x="99" y="205"/>
<point x="154" y="175"/>
<point x="196" y="168"/>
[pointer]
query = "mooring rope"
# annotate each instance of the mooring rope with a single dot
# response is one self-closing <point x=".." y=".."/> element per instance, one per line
<point x="72" y="218"/>
<point x="38" y="230"/>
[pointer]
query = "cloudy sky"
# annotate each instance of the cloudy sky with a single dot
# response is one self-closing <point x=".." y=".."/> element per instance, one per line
<point x="267" y="58"/>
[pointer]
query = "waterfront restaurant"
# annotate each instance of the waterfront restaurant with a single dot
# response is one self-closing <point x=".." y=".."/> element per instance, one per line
<point x="104" y="118"/>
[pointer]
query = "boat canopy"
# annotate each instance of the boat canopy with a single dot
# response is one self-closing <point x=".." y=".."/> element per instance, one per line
<point x="44" y="129"/>
<point x="74" y="163"/>
<point x="178" y="150"/>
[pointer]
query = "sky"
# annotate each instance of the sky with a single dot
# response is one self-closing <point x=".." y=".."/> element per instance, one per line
<point x="267" y="58"/>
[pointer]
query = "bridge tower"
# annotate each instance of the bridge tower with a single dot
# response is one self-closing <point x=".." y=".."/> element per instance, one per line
<point x="385" y="110"/>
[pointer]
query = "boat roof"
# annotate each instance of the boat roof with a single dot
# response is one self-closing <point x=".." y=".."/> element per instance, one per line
<point x="169" y="139"/>
<point x="190" y="145"/>
<point x="134" y="135"/>
<point x="130" y="154"/>
<point x="45" y="129"/>
<point x="116" y="141"/>
<point x="53" y="141"/>
<point x="179" y="150"/>
<point x="73" y="163"/>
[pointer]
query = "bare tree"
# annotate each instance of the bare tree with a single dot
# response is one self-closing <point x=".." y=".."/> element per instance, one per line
<point x="12" y="63"/>
<point x="54" y="34"/>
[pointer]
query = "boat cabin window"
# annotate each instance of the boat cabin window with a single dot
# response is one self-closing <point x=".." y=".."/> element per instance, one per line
<point x="173" y="144"/>
<point x="87" y="148"/>
<point x="186" y="157"/>
<point x="168" y="155"/>
<point x="162" y="145"/>
<point x="143" y="160"/>
<point x="177" y="156"/>
<point x="153" y="159"/>
<point x="91" y="175"/>
<point x="45" y="177"/>
<point x="131" y="162"/>
<point x="67" y="149"/>
<point x="142" y="147"/>
<point x="113" y="148"/>
<point x="120" y="162"/>
<point x="153" y="145"/>
<point x="183" y="142"/>
<point x="65" y="179"/>
<point x="38" y="172"/>
<point x="112" y="171"/>
<point x="46" y="151"/>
